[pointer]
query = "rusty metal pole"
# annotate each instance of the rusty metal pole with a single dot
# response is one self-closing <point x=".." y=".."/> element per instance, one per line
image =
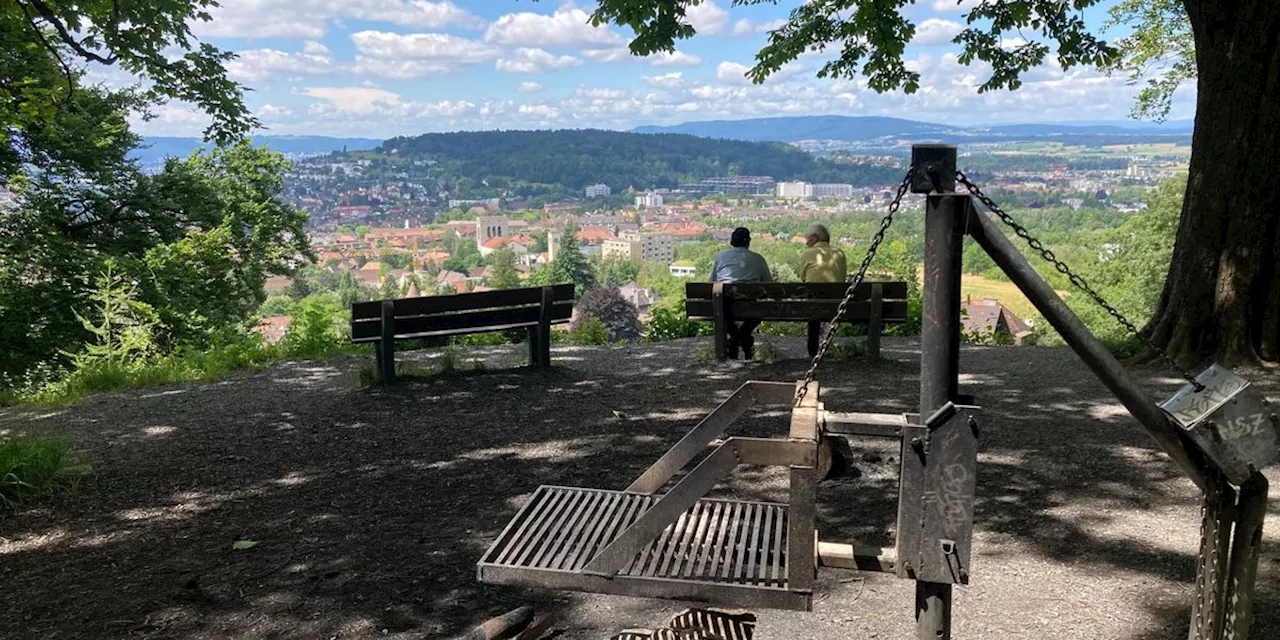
<point x="945" y="219"/>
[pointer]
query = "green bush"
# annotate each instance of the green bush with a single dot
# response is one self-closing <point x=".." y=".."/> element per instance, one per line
<point x="670" y="323"/>
<point x="318" y="328"/>
<point x="606" y="305"/>
<point x="589" y="331"/>
<point x="36" y="466"/>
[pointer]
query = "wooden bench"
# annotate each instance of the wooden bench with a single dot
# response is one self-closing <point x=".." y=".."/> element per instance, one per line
<point x="382" y="322"/>
<point x="875" y="303"/>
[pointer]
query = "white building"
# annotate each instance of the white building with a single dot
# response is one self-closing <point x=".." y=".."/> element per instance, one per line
<point x="794" y="190"/>
<point x="640" y="247"/>
<point x="490" y="227"/>
<point x="682" y="269"/>
<point x="649" y="200"/>
<point x="599" y="191"/>
<point x="832" y="190"/>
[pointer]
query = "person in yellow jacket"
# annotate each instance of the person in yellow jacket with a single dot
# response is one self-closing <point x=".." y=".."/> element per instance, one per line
<point x="821" y="262"/>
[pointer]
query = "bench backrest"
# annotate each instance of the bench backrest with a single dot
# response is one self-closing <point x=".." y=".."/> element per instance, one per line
<point x="461" y="313"/>
<point x="815" y="301"/>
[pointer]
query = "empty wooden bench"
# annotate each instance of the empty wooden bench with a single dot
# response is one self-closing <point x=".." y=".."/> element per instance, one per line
<point x="875" y="303"/>
<point x="382" y="322"/>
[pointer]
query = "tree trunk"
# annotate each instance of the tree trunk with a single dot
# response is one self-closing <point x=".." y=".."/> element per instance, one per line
<point x="1221" y="299"/>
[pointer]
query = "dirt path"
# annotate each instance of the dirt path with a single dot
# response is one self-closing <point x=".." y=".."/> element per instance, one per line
<point x="370" y="507"/>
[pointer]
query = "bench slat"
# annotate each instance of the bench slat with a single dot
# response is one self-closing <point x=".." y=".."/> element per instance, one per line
<point x="466" y="322"/>
<point x="428" y="305"/>
<point x="813" y="310"/>
<point x="793" y="290"/>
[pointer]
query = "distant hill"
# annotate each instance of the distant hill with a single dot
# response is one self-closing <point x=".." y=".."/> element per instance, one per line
<point x="875" y="128"/>
<point x="157" y="148"/>
<point x="574" y="158"/>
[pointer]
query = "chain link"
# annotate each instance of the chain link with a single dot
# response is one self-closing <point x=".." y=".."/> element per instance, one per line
<point x="829" y="335"/>
<point x="1075" y="279"/>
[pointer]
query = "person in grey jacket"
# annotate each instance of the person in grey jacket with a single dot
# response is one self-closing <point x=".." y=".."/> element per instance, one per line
<point x="740" y="264"/>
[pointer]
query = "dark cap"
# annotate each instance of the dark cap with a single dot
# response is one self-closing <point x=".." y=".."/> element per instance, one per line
<point x="741" y="237"/>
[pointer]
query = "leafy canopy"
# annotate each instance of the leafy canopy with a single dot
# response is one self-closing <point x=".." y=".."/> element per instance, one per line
<point x="871" y="36"/>
<point x="1161" y="48"/>
<point x="46" y="44"/>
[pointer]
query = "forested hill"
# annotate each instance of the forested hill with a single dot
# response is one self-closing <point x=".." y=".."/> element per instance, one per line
<point x="579" y="157"/>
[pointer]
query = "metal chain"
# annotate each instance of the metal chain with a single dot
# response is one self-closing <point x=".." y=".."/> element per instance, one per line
<point x="1075" y="279"/>
<point x="830" y="333"/>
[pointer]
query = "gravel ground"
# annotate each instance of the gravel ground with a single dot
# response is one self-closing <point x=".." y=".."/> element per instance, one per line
<point x="370" y="507"/>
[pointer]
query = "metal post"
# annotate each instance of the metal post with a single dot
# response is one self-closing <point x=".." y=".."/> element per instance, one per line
<point x="1093" y="352"/>
<point x="945" y="216"/>
<point x="1243" y="570"/>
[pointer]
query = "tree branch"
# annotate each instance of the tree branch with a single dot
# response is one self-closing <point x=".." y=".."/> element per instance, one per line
<point x="52" y="18"/>
<point x="66" y="69"/>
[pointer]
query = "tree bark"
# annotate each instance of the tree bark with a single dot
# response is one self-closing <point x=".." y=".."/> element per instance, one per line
<point x="1221" y="299"/>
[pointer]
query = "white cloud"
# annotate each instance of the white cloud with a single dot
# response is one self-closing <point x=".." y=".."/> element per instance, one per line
<point x="600" y="93"/>
<point x="707" y="17"/>
<point x="673" y="59"/>
<point x="947" y="6"/>
<point x="272" y="111"/>
<point x="529" y="87"/>
<point x="309" y="19"/>
<point x="614" y="54"/>
<point x="567" y="27"/>
<point x="354" y="99"/>
<point x="313" y="48"/>
<point x="771" y="25"/>
<point x="672" y="80"/>
<point x="935" y="31"/>
<point x="732" y="72"/>
<point x="527" y="60"/>
<point x="546" y="112"/>
<point x="255" y="65"/>
<point x="440" y="47"/>
<point x="398" y="69"/>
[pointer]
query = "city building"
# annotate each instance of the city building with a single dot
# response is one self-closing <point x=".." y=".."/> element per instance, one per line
<point x="599" y="191"/>
<point x="649" y="199"/>
<point x="682" y="269"/>
<point x="794" y="190"/>
<point x="640" y="247"/>
<point x="832" y="190"/>
<point x="736" y="185"/>
<point x="488" y="227"/>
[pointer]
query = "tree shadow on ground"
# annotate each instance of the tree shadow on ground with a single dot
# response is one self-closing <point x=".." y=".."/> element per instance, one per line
<point x="371" y="507"/>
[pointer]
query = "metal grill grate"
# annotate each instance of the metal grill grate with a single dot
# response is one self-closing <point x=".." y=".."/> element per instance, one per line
<point x="713" y="552"/>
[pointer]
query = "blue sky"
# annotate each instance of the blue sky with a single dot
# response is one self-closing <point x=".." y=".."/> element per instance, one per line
<point x="379" y="68"/>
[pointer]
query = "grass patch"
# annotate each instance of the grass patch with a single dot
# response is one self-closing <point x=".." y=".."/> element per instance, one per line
<point x="67" y="387"/>
<point x="767" y="353"/>
<point x="450" y="363"/>
<point x="847" y="350"/>
<point x="35" y="466"/>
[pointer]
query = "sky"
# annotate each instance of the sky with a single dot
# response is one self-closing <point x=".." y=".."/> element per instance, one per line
<point x="382" y="68"/>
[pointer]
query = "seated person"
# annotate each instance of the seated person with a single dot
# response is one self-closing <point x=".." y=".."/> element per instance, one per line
<point x="740" y="264"/>
<point x="821" y="263"/>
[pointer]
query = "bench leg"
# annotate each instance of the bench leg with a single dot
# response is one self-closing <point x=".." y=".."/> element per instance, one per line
<point x="875" y="323"/>
<point x="544" y="327"/>
<point x="386" y="360"/>
<point x="535" y="352"/>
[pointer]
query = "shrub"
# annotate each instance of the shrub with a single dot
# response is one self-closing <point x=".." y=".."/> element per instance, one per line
<point x="35" y="466"/>
<point x="670" y="323"/>
<point x="589" y="331"/>
<point x="317" y="328"/>
<point x="620" y="318"/>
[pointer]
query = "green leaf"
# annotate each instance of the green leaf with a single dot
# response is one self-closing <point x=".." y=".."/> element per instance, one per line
<point x="241" y="545"/>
